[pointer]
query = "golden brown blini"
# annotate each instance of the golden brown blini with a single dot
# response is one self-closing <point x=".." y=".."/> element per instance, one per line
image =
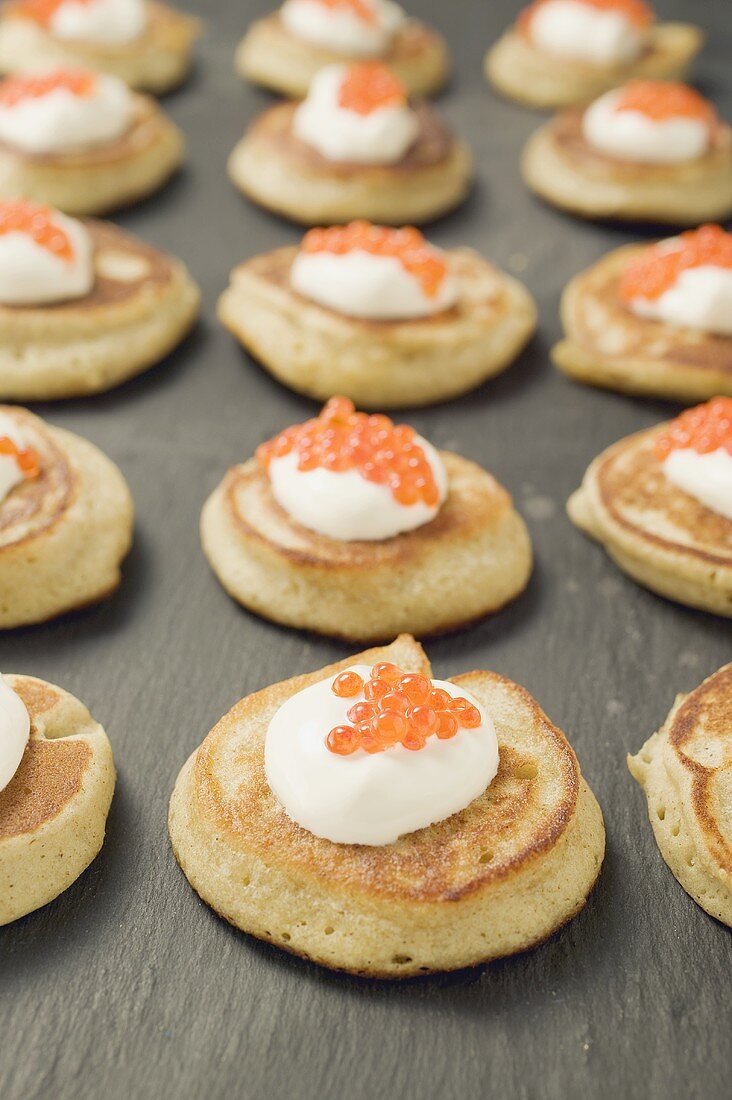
<point x="269" y="55"/>
<point x="63" y="533"/>
<point x="157" y="61"/>
<point x="684" y="770"/>
<point x="379" y="364"/>
<point x="496" y="878"/>
<point x="54" y="810"/>
<point x="606" y="344"/>
<point x="658" y="534"/>
<point x="141" y="306"/>
<point x="520" y="71"/>
<point x="103" y="178"/>
<point x="562" y="168"/>
<point x="280" y="172"/>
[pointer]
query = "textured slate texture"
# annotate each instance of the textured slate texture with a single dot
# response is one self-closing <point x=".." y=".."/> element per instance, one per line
<point x="127" y="986"/>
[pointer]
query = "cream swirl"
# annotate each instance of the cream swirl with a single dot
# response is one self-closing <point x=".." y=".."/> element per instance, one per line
<point x="627" y="134"/>
<point x="380" y="136"/>
<point x="371" y="798"/>
<point x="14" y="732"/>
<point x="31" y="273"/>
<point x="572" y="29"/>
<point x="107" y="22"/>
<point x="363" y="29"/>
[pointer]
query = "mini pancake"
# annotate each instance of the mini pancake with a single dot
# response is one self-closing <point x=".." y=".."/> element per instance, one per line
<point x="280" y="172"/>
<point x="102" y="178"/>
<point x="519" y="71"/>
<point x="686" y="771"/>
<point x="158" y="61"/>
<point x="54" y="810"/>
<point x="469" y="561"/>
<point x="562" y="168"/>
<point x="607" y="345"/>
<point x="64" y="533"/>
<point x="379" y="364"/>
<point x="496" y="878"/>
<point x="269" y="55"/>
<point x="141" y="306"/>
<point x="663" y="538"/>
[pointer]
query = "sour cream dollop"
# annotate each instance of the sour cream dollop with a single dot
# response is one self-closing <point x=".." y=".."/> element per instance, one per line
<point x="632" y="135"/>
<point x="106" y="22"/>
<point x="380" y="136"/>
<point x="11" y="473"/>
<point x="708" y="477"/>
<point x="53" y="117"/>
<point x="14" y="732"/>
<point x="31" y="273"/>
<point x="701" y="298"/>
<point x="355" y="29"/>
<point x="572" y="29"/>
<point x="369" y="798"/>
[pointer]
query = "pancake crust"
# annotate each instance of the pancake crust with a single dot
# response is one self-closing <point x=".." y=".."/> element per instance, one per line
<point x="141" y="306"/>
<point x="103" y="178"/>
<point x="53" y="811"/>
<point x="662" y="537"/>
<point x="379" y="364"/>
<point x="278" y="171"/>
<point x="607" y="345"/>
<point x="156" y="62"/>
<point x="63" y="534"/>
<point x="686" y="771"/>
<point x="269" y="55"/>
<point x="564" y="170"/>
<point x="495" y="878"/>
<point x="521" y="72"/>
<point x="469" y="561"/>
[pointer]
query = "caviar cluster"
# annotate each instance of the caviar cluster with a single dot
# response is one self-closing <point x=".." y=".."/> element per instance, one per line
<point x="659" y="267"/>
<point x="398" y="708"/>
<point x="341" y="439"/>
<point x="17" y="88"/>
<point x="368" y="86"/>
<point x="21" y="216"/>
<point x="661" y="100"/>
<point x="705" y="428"/>
<point x="637" y="11"/>
<point x="406" y="245"/>
<point x="26" y="458"/>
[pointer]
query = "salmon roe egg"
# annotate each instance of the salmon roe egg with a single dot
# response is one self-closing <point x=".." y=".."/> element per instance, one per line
<point x="705" y="428"/>
<point x="36" y="221"/>
<point x="375" y="690"/>
<point x="14" y="89"/>
<point x="341" y="439"/>
<point x="636" y="11"/>
<point x="417" y="688"/>
<point x="26" y="458"/>
<point x="447" y="725"/>
<point x="658" y="267"/>
<point x="347" y="685"/>
<point x="407" y="245"/>
<point x="661" y="99"/>
<point x="342" y="740"/>
<point x="368" y="86"/>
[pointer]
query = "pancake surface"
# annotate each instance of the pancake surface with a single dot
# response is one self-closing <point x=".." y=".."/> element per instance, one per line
<point x="496" y="878"/>
<point x="379" y="364"/>
<point x="662" y="537"/>
<point x="686" y="772"/>
<point x="53" y="811"/>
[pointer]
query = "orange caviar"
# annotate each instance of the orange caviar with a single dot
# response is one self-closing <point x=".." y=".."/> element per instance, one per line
<point x="341" y="439"/>
<point x="659" y="266"/>
<point x="400" y="708"/>
<point x="368" y="86"/>
<point x="22" y="216"/>
<point x="362" y="8"/>
<point x="636" y="11"/>
<point x="661" y="100"/>
<point x="26" y="458"/>
<point x="40" y="11"/>
<point x="406" y="245"/>
<point x="705" y="428"/>
<point x="17" y="88"/>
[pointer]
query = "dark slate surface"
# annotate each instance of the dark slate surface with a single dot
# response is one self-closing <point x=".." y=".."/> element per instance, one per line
<point x="127" y="986"/>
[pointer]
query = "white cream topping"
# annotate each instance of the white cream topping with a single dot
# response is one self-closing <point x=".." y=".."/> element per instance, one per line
<point x="569" y="28"/>
<point x="708" y="477"/>
<point x="701" y="297"/>
<point x="61" y="121"/>
<point x="107" y="22"/>
<point x="345" y="505"/>
<point x="14" y="732"/>
<point x="632" y="135"/>
<point x="341" y="29"/>
<point x="361" y="284"/>
<point x="10" y="471"/>
<point x="31" y="274"/>
<point x="371" y="798"/>
<point x="380" y="137"/>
